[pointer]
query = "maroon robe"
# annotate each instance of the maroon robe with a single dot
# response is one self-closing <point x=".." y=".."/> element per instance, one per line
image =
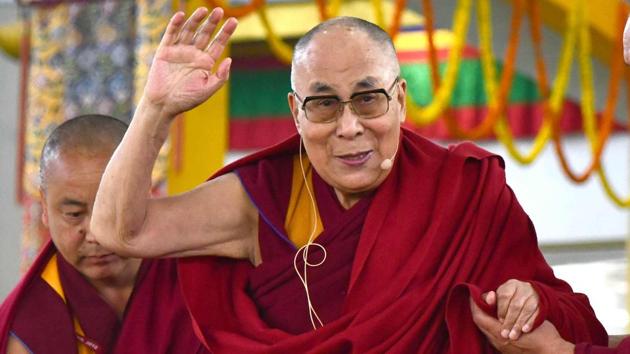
<point x="587" y="348"/>
<point x="155" y="319"/>
<point x="443" y="226"/>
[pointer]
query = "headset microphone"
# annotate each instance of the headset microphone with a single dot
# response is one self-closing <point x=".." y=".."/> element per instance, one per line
<point x="387" y="164"/>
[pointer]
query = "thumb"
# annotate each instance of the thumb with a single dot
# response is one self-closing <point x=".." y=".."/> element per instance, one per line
<point x="223" y="72"/>
<point x="490" y="297"/>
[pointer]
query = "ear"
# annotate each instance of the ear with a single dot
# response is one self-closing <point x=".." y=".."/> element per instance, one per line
<point x="401" y="96"/>
<point x="42" y="202"/>
<point x="295" y="109"/>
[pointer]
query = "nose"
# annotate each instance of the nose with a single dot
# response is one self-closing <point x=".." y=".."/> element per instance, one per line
<point x="85" y="230"/>
<point x="348" y="124"/>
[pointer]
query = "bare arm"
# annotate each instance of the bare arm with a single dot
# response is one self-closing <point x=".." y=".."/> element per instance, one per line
<point x="15" y="346"/>
<point x="217" y="218"/>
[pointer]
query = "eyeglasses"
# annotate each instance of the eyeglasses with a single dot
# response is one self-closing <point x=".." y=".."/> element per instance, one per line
<point x="365" y="104"/>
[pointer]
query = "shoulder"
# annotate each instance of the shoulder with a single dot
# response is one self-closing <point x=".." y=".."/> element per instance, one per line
<point x="28" y="291"/>
<point x="470" y="151"/>
<point x="466" y="155"/>
<point x="39" y="315"/>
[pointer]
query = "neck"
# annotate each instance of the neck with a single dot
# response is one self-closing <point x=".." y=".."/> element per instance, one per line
<point x="348" y="200"/>
<point x="116" y="291"/>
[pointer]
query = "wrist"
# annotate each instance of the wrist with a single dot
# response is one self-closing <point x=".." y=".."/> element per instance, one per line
<point x="152" y="120"/>
<point x="562" y="347"/>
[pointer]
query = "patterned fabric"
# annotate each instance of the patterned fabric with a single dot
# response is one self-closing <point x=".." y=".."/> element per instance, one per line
<point x="151" y="20"/>
<point x="86" y="57"/>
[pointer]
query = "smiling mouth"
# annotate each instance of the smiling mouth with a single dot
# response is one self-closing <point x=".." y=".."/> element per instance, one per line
<point x="356" y="158"/>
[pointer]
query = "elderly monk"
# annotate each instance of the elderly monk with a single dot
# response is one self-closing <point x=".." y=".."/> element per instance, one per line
<point x="79" y="297"/>
<point x="354" y="235"/>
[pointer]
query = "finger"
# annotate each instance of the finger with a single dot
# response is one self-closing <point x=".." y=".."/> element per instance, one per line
<point x="488" y="325"/>
<point x="505" y="293"/>
<point x="172" y="29"/>
<point x="524" y="323"/>
<point x="484" y="321"/>
<point x="219" y="42"/>
<point x="520" y="310"/>
<point x="490" y="297"/>
<point x="626" y="42"/>
<point x="188" y="30"/>
<point x="512" y="307"/>
<point x="223" y="72"/>
<point x="529" y="323"/>
<point x="204" y="32"/>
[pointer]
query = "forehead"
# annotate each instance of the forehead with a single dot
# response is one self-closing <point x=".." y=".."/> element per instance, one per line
<point x="342" y="57"/>
<point x="75" y="172"/>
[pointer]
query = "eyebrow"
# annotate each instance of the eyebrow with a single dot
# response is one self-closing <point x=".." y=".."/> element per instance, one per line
<point x="369" y="82"/>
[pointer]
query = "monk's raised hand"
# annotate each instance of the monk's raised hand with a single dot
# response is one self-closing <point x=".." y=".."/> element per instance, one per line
<point x="183" y="73"/>
<point x="517" y="307"/>
<point x="626" y="42"/>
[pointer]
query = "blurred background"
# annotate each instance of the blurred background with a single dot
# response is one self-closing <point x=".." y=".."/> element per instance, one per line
<point x="540" y="82"/>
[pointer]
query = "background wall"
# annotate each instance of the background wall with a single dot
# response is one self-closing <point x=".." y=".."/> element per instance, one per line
<point x="10" y="211"/>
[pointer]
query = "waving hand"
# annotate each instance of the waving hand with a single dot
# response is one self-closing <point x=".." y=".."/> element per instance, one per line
<point x="184" y="72"/>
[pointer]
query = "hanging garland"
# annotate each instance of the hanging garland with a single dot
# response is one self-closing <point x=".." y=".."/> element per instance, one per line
<point x="394" y="25"/>
<point x="597" y="140"/>
<point x="433" y="60"/>
<point x="379" y="19"/>
<point x="429" y="28"/>
<point x="620" y="201"/>
<point x="497" y="102"/>
<point x="328" y="11"/>
<point x="236" y="11"/>
<point x="442" y="97"/>
<point x="556" y="101"/>
<point x="284" y="52"/>
<point x="280" y="49"/>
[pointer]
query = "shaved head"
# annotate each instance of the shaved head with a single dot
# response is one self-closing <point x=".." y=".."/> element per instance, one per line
<point x="378" y="36"/>
<point x="92" y="134"/>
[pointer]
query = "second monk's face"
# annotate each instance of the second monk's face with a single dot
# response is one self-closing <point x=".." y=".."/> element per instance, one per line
<point x="72" y="180"/>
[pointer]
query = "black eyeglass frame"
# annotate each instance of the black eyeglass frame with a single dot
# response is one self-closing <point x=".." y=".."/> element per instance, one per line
<point x="343" y="103"/>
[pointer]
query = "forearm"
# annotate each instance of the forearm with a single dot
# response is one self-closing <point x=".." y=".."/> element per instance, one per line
<point x="124" y="193"/>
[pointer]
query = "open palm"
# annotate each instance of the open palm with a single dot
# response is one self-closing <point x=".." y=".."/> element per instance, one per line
<point x="181" y="75"/>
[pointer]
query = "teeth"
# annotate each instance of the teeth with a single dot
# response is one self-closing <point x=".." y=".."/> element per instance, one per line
<point x="355" y="157"/>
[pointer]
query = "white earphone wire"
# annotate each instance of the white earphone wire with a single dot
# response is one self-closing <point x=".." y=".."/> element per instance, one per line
<point x="305" y="249"/>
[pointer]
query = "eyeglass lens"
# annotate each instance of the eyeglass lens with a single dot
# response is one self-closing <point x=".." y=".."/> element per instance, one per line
<point x="365" y="105"/>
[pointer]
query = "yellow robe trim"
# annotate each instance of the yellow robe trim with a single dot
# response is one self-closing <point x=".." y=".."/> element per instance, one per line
<point x="299" y="219"/>
<point x="51" y="276"/>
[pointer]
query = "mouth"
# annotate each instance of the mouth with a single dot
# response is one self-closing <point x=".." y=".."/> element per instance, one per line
<point x="355" y="158"/>
<point x="101" y="258"/>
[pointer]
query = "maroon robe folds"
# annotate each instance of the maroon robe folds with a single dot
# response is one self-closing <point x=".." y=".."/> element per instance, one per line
<point x="443" y="226"/>
<point x="587" y="348"/>
<point x="155" y="319"/>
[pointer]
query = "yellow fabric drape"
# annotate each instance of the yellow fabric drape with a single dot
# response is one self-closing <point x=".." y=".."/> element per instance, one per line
<point x="299" y="218"/>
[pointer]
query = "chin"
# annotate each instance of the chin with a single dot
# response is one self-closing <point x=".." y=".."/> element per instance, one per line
<point x="359" y="184"/>
<point x="102" y="271"/>
<point x="100" y="274"/>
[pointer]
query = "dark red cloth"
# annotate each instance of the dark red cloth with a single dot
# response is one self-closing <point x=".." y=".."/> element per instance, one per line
<point x="443" y="225"/>
<point x="155" y="319"/>
<point x="328" y="282"/>
<point x="587" y="348"/>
